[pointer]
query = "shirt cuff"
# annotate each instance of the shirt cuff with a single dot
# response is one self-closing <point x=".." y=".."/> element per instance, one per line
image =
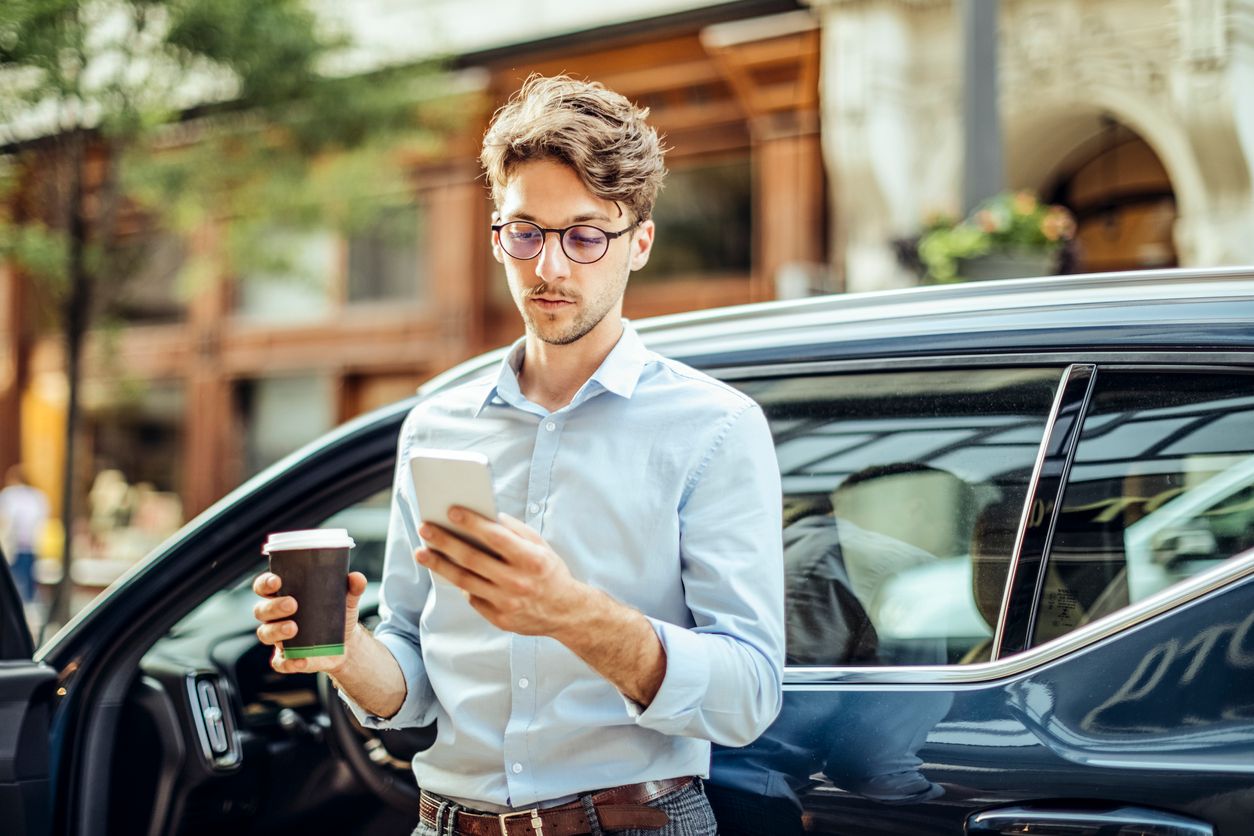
<point x="683" y="687"/>
<point x="417" y="689"/>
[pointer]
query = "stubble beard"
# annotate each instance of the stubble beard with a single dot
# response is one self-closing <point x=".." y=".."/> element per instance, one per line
<point x="588" y="318"/>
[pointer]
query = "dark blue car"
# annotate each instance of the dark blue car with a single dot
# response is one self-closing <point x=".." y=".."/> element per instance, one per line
<point x="1018" y="522"/>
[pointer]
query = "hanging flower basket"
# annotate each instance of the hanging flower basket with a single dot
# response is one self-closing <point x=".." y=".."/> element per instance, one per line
<point x="1012" y="235"/>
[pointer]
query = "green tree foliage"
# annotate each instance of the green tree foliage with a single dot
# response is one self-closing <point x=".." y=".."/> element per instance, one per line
<point x="175" y="115"/>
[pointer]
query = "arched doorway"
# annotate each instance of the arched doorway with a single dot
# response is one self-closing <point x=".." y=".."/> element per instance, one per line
<point x="1123" y="202"/>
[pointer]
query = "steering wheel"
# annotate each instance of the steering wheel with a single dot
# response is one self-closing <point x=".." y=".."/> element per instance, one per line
<point x="379" y="758"/>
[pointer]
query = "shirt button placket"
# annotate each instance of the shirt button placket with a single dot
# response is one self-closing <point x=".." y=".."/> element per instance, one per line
<point x="522" y="712"/>
<point x="548" y="435"/>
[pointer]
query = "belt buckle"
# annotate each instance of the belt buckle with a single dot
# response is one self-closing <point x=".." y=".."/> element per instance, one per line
<point x="536" y="824"/>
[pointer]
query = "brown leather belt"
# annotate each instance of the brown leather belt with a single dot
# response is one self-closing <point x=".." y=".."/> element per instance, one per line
<point x="618" y="808"/>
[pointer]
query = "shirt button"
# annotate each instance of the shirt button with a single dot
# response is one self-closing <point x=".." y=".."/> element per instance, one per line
<point x="524" y="682"/>
<point x="517" y="768"/>
<point x="533" y="508"/>
<point x="550" y="426"/>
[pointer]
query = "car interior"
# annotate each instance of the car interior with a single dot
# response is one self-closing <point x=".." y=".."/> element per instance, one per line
<point x="210" y="737"/>
<point x="1160" y="490"/>
<point x="902" y="495"/>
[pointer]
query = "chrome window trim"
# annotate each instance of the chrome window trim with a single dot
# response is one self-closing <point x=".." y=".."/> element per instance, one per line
<point x="1031" y="560"/>
<point x="1139" y="359"/>
<point x="1225" y="575"/>
<point x="1042" y="453"/>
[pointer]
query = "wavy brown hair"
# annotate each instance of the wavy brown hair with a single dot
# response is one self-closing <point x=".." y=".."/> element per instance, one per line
<point x="601" y="135"/>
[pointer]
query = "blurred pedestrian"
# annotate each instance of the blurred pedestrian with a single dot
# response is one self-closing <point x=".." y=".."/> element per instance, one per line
<point x="23" y="512"/>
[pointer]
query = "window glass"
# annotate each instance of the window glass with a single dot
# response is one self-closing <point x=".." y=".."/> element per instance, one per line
<point x="367" y="524"/>
<point x="150" y="293"/>
<point x="279" y="414"/>
<point x="1162" y="487"/>
<point x="384" y="260"/>
<point x="288" y="278"/>
<point x="903" y="493"/>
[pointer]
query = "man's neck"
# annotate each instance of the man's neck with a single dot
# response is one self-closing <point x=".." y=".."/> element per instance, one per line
<point x="552" y="374"/>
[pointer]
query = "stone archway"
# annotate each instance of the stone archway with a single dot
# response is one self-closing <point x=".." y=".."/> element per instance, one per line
<point x="1178" y="80"/>
<point x="1112" y="180"/>
<point x="1067" y="66"/>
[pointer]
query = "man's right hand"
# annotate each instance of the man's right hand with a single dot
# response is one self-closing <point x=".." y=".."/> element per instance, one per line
<point x="275" y="614"/>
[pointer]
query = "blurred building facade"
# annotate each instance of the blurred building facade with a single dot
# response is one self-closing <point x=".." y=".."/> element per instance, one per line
<point x="190" y="396"/>
<point x="805" y="140"/>
<point x="1135" y="114"/>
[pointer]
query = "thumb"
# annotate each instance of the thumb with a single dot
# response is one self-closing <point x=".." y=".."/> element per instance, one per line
<point x="356" y="588"/>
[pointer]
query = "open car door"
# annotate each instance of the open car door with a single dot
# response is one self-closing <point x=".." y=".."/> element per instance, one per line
<point x="26" y="695"/>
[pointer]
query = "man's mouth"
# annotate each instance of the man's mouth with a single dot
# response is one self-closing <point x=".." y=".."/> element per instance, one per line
<point x="551" y="302"/>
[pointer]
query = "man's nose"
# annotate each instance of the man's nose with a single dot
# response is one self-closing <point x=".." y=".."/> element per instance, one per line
<point x="552" y="263"/>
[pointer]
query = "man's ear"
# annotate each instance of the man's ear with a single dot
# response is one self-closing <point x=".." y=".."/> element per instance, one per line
<point x="641" y="244"/>
<point x="497" y="252"/>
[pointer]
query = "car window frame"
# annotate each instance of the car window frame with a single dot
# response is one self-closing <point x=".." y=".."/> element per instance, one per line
<point x="1059" y="435"/>
<point x="1227" y="574"/>
<point x="810" y="674"/>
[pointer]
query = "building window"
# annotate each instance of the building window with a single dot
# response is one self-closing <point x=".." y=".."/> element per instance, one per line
<point x="384" y="259"/>
<point x="279" y="414"/>
<point x="288" y="277"/>
<point x="138" y="431"/>
<point x="704" y="218"/>
<point x="150" y="293"/>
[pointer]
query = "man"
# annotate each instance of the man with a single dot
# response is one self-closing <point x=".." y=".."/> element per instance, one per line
<point x="23" y="512"/>
<point x="633" y="613"/>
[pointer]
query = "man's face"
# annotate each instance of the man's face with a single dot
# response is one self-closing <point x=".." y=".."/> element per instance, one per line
<point x="562" y="300"/>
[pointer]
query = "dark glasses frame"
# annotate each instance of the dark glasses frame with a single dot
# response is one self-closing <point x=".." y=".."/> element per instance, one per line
<point x="561" y="238"/>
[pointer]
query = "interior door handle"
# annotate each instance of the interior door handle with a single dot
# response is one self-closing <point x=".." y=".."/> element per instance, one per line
<point x="1112" y="821"/>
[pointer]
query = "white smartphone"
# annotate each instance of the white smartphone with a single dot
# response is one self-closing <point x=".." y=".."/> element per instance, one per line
<point x="444" y="478"/>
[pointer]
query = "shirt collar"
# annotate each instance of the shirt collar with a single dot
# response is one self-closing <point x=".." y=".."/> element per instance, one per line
<point x="618" y="373"/>
<point x="506" y="388"/>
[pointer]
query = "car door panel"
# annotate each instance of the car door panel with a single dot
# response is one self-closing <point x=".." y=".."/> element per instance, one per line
<point x="26" y="692"/>
<point x="1160" y="716"/>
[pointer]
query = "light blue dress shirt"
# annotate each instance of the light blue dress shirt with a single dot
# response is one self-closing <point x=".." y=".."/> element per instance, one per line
<point x="657" y="484"/>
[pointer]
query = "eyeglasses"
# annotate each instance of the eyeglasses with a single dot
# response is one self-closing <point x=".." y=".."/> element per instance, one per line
<point x="582" y="244"/>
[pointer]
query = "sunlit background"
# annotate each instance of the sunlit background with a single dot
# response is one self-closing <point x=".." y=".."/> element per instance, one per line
<point x="263" y="270"/>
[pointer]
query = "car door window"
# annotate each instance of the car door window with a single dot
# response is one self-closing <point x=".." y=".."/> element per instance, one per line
<point x="367" y="523"/>
<point x="903" y="493"/>
<point x="1161" y="487"/>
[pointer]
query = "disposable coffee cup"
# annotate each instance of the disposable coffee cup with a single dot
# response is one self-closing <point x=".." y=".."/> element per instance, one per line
<point x="313" y="568"/>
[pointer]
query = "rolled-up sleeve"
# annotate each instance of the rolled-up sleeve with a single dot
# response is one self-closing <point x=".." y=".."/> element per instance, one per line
<point x="403" y="595"/>
<point x="724" y="675"/>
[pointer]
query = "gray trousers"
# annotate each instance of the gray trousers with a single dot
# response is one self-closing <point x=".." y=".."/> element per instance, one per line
<point x="688" y="809"/>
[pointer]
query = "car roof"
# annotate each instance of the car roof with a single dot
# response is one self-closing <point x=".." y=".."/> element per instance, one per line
<point x="1164" y="309"/>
